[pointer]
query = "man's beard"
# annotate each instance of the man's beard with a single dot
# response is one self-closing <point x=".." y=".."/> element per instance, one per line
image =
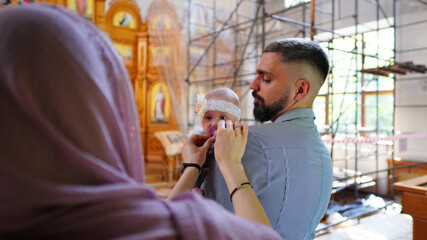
<point x="263" y="113"/>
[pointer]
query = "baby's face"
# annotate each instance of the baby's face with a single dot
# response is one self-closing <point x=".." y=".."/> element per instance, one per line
<point x="211" y="118"/>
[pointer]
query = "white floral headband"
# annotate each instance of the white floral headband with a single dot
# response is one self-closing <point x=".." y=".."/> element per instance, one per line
<point x="204" y="105"/>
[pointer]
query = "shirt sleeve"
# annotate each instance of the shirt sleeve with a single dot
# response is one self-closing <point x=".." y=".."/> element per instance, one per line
<point x="199" y="218"/>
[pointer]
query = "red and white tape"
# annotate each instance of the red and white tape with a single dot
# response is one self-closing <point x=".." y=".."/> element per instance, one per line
<point x="376" y="139"/>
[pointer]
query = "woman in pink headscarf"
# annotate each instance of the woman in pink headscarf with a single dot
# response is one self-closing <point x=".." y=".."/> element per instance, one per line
<point x="71" y="164"/>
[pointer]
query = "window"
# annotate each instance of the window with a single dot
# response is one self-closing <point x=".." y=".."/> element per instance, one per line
<point x="350" y="101"/>
<point x="385" y="112"/>
<point x="320" y="106"/>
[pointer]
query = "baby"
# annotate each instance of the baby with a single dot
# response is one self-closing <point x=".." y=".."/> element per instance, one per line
<point x="219" y="104"/>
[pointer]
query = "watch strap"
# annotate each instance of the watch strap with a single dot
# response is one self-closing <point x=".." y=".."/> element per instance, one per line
<point x="185" y="165"/>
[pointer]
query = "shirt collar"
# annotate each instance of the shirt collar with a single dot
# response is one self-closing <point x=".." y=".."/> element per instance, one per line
<point x="296" y="113"/>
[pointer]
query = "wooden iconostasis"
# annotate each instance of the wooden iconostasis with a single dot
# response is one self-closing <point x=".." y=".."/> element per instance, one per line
<point x="123" y="23"/>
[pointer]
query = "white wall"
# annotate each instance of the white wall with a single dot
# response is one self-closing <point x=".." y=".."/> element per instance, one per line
<point x="411" y="89"/>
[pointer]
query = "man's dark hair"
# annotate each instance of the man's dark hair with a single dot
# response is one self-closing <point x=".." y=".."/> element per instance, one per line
<point x="299" y="49"/>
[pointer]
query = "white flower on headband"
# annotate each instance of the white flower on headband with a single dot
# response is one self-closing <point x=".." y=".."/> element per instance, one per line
<point x="199" y="108"/>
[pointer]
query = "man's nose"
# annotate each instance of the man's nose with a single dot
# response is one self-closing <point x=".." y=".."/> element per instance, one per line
<point x="254" y="84"/>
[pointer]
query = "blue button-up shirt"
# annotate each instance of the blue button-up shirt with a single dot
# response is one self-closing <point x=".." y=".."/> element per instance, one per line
<point x="290" y="170"/>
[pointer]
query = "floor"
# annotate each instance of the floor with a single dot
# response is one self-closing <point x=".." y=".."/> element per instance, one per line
<point x="387" y="224"/>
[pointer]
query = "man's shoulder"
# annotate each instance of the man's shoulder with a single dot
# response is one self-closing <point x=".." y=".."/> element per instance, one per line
<point x="295" y="133"/>
<point x="260" y="132"/>
<point x="263" y="128"/>
<point x="268" y="130"/>
<point x="265" y="136"/>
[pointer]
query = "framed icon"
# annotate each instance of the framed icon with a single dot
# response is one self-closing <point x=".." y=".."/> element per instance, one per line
<point x="160" y="104"/>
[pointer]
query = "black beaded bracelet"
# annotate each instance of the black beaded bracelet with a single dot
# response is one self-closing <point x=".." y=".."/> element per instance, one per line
<point x="185" y="165"/>
<point x="239" y="187"/>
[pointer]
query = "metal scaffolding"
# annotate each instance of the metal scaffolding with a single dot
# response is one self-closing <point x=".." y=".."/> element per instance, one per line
<point x="371" y="65"/>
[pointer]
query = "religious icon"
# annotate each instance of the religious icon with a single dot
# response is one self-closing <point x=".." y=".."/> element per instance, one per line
<point x="160" y="55"/>
<point x="174" y="138"/>
<point x="124" y="19"/>
<point x="161" y="22"/>
<point x="82" y="7"/>
<point x="159" y="104"/>
<point x="125" y="51"/>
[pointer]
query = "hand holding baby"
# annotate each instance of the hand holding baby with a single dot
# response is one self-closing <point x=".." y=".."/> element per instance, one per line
<point x="230" y="142"/>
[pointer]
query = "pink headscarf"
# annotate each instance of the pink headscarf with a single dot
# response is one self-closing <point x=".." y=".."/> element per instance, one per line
<point x="71" y="164"/>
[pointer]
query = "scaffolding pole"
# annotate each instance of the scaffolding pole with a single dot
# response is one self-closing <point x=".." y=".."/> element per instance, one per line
<point x="320" y="17"/>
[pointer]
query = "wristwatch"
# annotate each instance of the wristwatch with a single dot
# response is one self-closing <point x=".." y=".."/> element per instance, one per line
<point x="185" y="165"/>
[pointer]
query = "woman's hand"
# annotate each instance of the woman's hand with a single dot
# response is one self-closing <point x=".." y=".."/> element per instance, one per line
<point x="229" y="148"/>
<point x="230" y="142"/>
<point x="195" y="148"/>
<point x="193" y="151"/>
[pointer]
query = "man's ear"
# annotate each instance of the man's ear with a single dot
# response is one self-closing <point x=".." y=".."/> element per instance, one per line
<point x="303" y="88"/>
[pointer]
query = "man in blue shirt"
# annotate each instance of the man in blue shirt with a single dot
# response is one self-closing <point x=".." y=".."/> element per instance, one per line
<point x="285" y="160"/>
